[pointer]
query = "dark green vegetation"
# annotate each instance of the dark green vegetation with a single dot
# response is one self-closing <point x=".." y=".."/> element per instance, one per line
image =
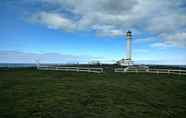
<point x="56" y="94"/>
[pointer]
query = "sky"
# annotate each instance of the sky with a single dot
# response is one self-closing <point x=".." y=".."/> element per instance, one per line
<point x="71" y="31"/>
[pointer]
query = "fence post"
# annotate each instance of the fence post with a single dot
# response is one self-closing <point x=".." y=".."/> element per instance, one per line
<point x="168" y="72"/>
<point x="77" y="69"/>
<point x="157" y="72"/>
<point x="125" y="70"/>
<point x="136" y="70"/>
<point x="101" y="70"/>
<point x="147" y="70"/>
<point x="179" y="72"/>
<point x="89" y="70"/>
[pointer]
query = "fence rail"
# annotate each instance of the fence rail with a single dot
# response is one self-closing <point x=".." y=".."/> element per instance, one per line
<point x="118" y="70"/>
<point x="76" y="69"/>
<point x="157" y="71"/>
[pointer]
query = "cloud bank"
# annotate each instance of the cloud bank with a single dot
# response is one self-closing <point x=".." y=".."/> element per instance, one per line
<point x="164" y="18"/>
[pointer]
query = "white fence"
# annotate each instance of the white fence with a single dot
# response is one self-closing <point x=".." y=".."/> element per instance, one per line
<point x="157" y="71"/>
<point x="121" y="70"/>
<point x="75" y="69"/>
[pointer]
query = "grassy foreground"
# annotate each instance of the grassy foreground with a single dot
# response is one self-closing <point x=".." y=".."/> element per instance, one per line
<point x="56" y="94"/>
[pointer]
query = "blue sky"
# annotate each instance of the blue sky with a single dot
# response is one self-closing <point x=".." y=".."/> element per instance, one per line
<point x="67" y="31"/>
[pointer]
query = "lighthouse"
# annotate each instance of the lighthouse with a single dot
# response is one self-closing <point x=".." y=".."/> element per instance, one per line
<point x="128" y="60"/>
<point x="129" y="47"/>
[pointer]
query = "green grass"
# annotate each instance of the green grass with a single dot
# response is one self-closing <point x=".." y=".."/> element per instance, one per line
<point x="56" y="94"/>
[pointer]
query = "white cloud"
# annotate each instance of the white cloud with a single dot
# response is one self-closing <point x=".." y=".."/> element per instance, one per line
<point x="54" y="21"/>
<point x="146" y="40"/>
<point x="107" y="30"/>
<point x="161" y="45"/>
<point x="167" y="23"/>
<point x="177" y="39"/>
<point x="113" y="17"/>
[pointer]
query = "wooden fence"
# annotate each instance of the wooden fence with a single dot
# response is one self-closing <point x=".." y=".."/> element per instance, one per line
<point x="75" y="69"/>
<point x="121" y="70"/>
<point x="157" y="71"/>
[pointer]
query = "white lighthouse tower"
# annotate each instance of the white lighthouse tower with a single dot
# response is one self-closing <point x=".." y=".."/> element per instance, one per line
<point x="128" y="61"/>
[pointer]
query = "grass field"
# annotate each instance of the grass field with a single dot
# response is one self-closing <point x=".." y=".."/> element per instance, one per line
<point x="54" y="94"/>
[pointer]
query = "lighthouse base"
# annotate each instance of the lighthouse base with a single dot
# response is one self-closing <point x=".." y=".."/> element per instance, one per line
<point x="125" y="62"/>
